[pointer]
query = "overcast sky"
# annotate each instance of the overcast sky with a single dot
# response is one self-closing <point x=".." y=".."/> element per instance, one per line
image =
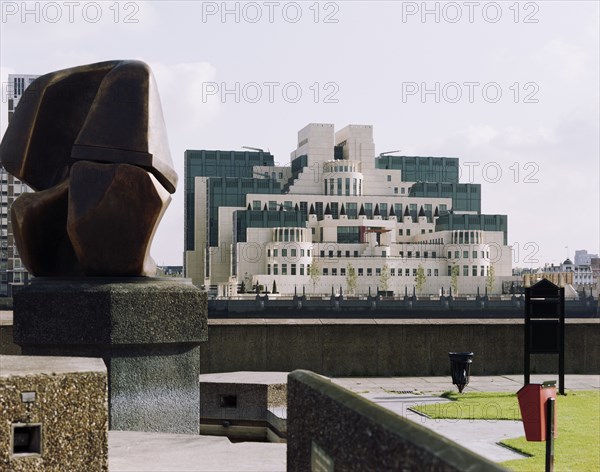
<point x="510" y="88"/>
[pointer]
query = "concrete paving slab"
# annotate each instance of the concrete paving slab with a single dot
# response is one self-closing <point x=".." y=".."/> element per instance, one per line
<point x="480" y="436"/>
<point x="246" y="377"/>
<point x="158" y="452"/>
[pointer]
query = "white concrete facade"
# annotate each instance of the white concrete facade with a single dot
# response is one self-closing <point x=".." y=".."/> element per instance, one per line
<point x="385" y="250"/>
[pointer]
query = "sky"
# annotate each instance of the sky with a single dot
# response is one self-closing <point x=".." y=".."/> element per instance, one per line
<point x="510" y="88"/>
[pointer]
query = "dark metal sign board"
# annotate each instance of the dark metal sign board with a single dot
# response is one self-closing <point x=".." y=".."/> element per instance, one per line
<point x="545" y="325"/>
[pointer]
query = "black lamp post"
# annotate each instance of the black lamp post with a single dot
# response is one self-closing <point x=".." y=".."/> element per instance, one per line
<point x="460" y="366"/>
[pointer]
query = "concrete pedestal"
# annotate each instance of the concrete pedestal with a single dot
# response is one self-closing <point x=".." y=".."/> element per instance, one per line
<point x="147" y="330"/>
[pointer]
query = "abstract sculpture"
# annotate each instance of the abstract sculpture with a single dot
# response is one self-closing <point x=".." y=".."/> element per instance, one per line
<point x="91" y="141"/>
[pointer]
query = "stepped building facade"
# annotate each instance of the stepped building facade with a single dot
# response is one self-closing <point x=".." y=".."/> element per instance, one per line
<point x="338" y="219"/>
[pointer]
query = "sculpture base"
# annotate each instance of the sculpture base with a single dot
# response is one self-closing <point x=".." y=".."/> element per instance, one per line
<point x="147" y="330"/>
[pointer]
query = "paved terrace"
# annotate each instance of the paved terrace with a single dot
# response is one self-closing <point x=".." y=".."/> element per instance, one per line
<point x="155" y="452"/>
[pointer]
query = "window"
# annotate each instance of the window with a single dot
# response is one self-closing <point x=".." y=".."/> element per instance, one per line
<point x="409" y="254"/>
<point x="422" y="231"/>
<point x="433" y="254"/>
<point x="339" y="254"/>
<point x="347" y="253"/>
<point x="407" y="272"/>
<point x="355" y="253"/>
<point x="293" y="251"/>
<point x="474" y="271"/>
<point x="389" y="178"/>
<point x="456" y="254"/>
<point x="396" y="190"/>
<point x="275" y="269"/>
<point x="360" y="271"/>
<point x="428" y="272"/>
<point x="283" y="269"/>
<point x="449" y="254"/>
<point x="474" y="254"/>
<point x="343" y="271"/>
<point x="256" y="205"/>
<point x="268" y="269"/>
<point x="402" y="190"/>
<point x="377" y="271"/>
<point x="408" y="232"/>
<point x="325" y="271"/>
<point x="339" y="186"/>
<point x="308" y="253"/>
<point x="369" y="271"/>
<point x="268" y="253"/>
<point x="330" y="254"/>
<point x="275" y="252"/>
<point x="465" y="254"/>
<point x="482" y="272"/>
<point x="426" y="255"/>
<point x="465" y="270"/>
<point x="449" y="270"/>
<point x="301" y="269"/>
<point x="284" y="253"/>
<point x="334" y="271"/>
<point x="417" y="254"/>
<point x="414" y="272"/>
<point x="392" y="272"/>
<point x="281" y="175"/>
<point x="400" y="232"/>
<point x="301" y="252"/>
<point x="322" y="253"/>
<point x="435" y="272"/>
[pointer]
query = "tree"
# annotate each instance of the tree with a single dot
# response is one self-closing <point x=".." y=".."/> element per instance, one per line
<point x="247" y="282"/>
<point x="454" y="279"/>
<point x="384" y="278"/>
<point x="274" y="287"/>
<point x="351" y="278"/>
<point x="490" y="279"/>
<point x="314" y="273"/>
<point x="420" y="279"/>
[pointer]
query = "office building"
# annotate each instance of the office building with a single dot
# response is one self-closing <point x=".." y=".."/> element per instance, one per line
<point x="12" y="272"/>
<point x="338" y="218"/>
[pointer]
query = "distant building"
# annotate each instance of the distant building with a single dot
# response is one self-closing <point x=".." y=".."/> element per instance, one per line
<point x="582" y="257"/>
<point x="12" y="273"/>
<point x="567" y="273"/>
<point x="336" y="210"/>
<point x="169" y="271"/>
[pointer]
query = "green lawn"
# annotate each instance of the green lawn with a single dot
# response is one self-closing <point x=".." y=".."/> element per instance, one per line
<point x="577" y="447"/>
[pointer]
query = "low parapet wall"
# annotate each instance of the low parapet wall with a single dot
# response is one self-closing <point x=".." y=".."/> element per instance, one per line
<point x="376" y="347"/>
<point x="372" y="347"/>
<point x="331" y="428"/>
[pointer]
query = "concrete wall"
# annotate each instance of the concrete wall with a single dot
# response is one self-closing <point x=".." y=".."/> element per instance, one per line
<point x="372" y="347"/>
<point x="388" y="347"/>
<point x="62" y="402"/>
<point x="330" y="428"/>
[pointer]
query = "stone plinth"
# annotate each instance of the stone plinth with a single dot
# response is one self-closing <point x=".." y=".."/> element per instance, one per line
<point x="54" y="414"/>
<point x="147" y="330"/>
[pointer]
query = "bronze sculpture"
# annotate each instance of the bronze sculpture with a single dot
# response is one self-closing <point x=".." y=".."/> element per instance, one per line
<point x="91" y="141"/>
